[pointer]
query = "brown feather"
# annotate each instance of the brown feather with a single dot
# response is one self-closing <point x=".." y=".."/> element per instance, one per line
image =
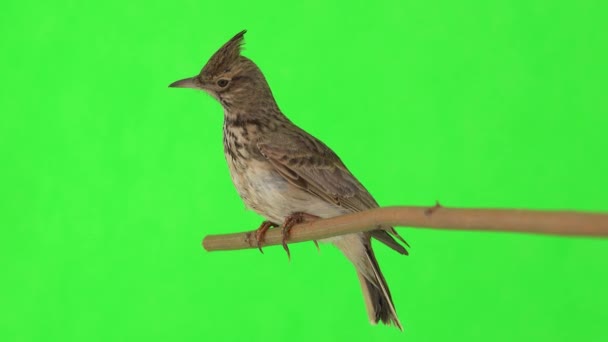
<point x="225" y="57"/>
<point x="309" y="164"/>
<point x="279" y="169"/>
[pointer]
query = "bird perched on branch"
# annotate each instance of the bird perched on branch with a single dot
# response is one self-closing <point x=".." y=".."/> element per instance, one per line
<point x="285" y="174"/>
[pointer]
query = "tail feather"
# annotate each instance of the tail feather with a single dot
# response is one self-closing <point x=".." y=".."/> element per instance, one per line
<point x="389" y="240"/>
<point x="378" y="300"/>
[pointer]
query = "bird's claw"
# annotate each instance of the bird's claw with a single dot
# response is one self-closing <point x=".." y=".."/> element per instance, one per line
<point x="290" y="221"/>
<point x="261" y="232"/>
<point x="284" y="242"/>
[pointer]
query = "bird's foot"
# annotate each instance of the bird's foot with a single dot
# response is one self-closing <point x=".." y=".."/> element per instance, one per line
<point x="291" y="221"/>
<point x="430" y="211"/>
<point x="261" y="232"/>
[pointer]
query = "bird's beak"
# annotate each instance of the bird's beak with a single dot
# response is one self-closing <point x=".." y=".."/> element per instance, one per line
<point x="191" y="82"/>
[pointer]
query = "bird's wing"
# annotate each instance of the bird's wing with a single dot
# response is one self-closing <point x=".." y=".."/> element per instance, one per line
<point x="309" y="164"/>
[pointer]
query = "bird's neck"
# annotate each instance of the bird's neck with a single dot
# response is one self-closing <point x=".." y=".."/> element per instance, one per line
<point x="244" y="127"/>
<point x="260" y="119"/>
<point x="253" y="106"/>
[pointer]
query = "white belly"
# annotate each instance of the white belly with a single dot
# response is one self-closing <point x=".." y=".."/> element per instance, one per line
<point x="270" y="195"/>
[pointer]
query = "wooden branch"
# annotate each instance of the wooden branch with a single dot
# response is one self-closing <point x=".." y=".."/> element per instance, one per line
<point x="567" y="223"/>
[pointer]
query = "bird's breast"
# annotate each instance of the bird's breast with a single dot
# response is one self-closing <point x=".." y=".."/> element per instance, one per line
<point x="260" y="186"/>
<point x="266" y="192"/>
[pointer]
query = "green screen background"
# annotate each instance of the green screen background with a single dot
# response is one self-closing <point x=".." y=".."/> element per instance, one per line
<point x="110" y="179"/>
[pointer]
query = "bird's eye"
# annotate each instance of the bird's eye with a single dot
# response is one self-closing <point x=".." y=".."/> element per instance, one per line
<point x="222" y="82"/>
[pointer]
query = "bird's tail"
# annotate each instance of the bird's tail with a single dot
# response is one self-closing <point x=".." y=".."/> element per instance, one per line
<point x="377" y="296"/>
<point x="378" y="300"/>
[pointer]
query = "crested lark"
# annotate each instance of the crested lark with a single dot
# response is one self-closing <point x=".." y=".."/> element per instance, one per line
<point x="285" y="174"/>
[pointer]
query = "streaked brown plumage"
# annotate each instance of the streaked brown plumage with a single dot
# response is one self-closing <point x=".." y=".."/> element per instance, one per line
<point x="278" y="169"/>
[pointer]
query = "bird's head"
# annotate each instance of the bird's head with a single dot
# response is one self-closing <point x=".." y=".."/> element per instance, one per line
<point x="232" y="79"/>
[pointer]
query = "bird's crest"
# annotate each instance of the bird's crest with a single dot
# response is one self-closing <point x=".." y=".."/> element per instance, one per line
<point x="225" y="56"/>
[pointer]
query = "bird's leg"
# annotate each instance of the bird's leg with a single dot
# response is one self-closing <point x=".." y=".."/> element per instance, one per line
<point x="292" y="220"/>
<point x="431" y="210"/>
<point x="261" y="232"/>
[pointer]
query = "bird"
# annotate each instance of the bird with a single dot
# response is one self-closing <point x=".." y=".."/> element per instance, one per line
<point x="288" y="176"/>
